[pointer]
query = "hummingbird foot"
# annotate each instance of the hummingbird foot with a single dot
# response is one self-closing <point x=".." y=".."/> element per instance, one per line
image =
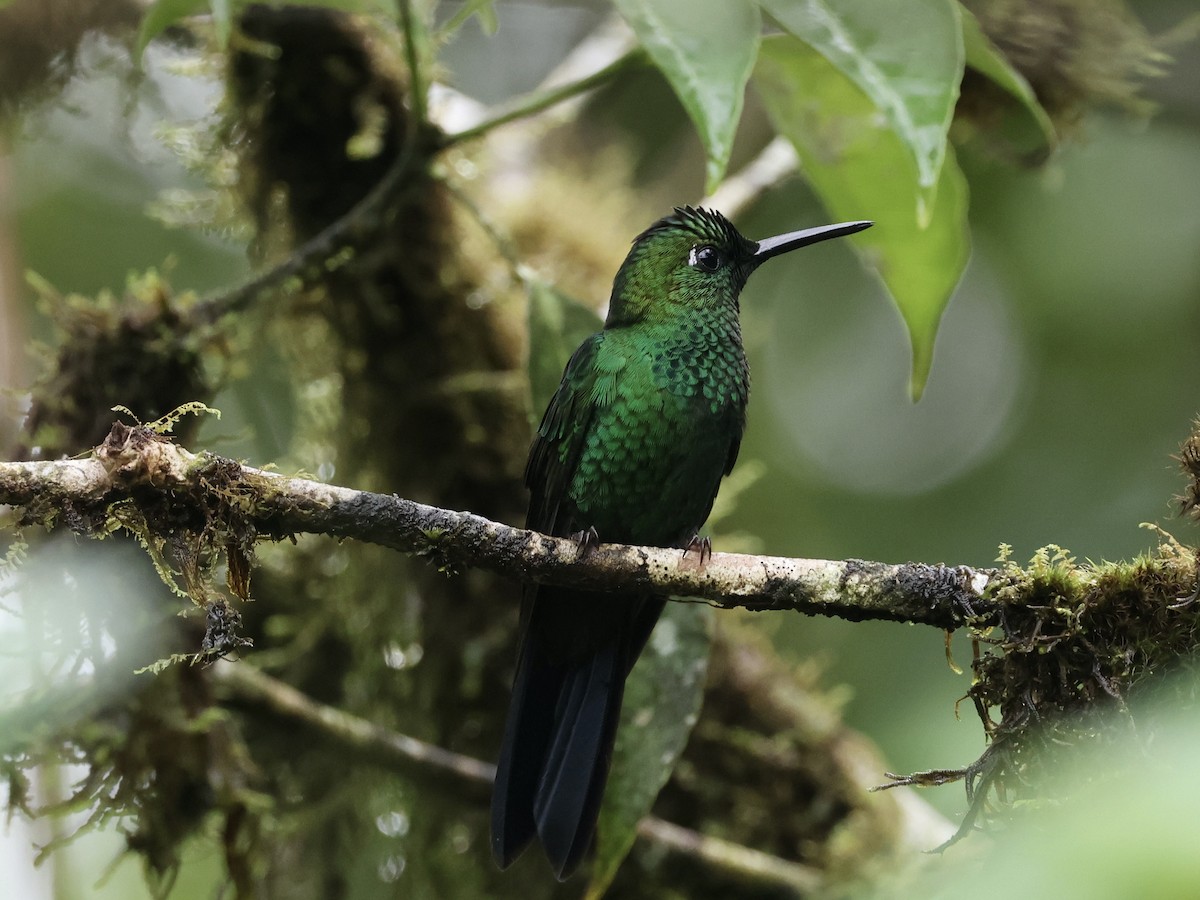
<point x="701" y="545"/>
<point x="587" y="541"/>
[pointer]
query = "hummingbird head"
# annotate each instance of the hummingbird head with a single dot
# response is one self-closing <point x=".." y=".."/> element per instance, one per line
<point x="695" y="259"/>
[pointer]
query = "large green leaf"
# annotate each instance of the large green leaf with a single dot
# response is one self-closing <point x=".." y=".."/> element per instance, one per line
<point x="662" y="702"/>
<point x="862" y="169"/>
<point x="907" y="57"/>
<point x="1026" y="129"/>
<point x="706" y="50"/>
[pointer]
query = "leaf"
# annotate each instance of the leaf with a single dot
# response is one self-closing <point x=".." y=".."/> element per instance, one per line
<point x="907" y="57"/>
<point x="662" y="702"/>
<point x="160" y="16"/>
<point x="1027" y="129"/>
<point x="861" y="169"/>
<point x="557" y="325"/>
<point x="706" y="50"/>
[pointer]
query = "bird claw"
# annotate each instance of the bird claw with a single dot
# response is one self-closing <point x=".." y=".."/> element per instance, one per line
<point x="702" y="545"/>
<point x="587" y="541"/>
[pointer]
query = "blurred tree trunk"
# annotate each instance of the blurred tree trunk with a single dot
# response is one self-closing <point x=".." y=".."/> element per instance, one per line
<point x="430" y="359"/>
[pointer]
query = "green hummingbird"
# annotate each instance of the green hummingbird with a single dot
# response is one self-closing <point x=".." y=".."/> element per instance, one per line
<point x="632" y="448"/>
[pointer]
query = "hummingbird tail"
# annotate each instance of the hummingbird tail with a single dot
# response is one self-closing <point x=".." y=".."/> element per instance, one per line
<point x="527" y="732"/>
<point x="567" y="803"/>
<point x="562" y="724"/>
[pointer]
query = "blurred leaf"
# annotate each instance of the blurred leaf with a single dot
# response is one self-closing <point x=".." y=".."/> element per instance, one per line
<point x="706" y="50"/>
<point x="906" y="57"/>
<point x="662" y="702"/>
<point x="557" y="325"/>
<point x="861" y="169"/>
<point x="260" y="411"/>
<point x="1028" y="129"/>
<point x="39" y="713"/>
<point x="160" y="16"/>
<point x="485" y="10"/>
<point x="1117" y="820"/>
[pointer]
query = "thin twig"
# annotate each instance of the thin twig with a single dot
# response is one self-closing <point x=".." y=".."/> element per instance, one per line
<point x="312" y="261"/>
<point x="409" y="756"/>
<point x="412" y="56"/>
<point x="315" y="258"/>
<point x="536" y="103"/>
<point x="728" y="857"/>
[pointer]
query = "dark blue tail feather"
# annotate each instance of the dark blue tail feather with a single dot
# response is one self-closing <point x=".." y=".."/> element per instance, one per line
<point x="576" y="651"/>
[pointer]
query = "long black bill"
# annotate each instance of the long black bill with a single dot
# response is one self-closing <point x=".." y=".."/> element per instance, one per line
<point x="774" y="246"/>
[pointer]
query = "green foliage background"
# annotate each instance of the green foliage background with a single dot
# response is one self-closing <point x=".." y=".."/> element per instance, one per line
<point x="1062" y="380"/>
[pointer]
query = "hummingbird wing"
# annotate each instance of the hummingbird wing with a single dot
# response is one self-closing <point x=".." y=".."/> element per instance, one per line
<point x="734" y="446"/>
<point x="559" y="442"/>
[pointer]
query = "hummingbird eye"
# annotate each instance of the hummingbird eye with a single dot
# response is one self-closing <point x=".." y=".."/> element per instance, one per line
<point x="707" y="258"/>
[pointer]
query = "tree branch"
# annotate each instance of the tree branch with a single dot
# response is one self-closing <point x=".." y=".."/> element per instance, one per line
<point x="1072" y="639"/>
<point x="136" y="465"/>
<point x="471" y="777"/>
<point x="468" y="777"/>
<point x="776" y="161"/>
<point x="325" y="251"/>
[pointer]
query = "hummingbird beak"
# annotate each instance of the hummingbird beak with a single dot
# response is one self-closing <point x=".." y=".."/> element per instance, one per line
<point x="774" y="246"/>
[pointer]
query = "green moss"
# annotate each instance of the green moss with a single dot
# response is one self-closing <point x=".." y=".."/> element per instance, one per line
<point x="1074" y="646"/>
<point x="139" y="352"/>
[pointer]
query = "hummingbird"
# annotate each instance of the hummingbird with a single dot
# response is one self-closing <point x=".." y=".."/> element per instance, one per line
<point x="647" y="421"/>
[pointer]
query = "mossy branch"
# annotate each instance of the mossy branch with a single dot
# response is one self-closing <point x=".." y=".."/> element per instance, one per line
<point x="1059" y="645"/>
<point x="169" y="484"/>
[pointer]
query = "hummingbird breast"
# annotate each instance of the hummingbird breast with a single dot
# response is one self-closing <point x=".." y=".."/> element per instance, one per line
<point x="669" y="411"/>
